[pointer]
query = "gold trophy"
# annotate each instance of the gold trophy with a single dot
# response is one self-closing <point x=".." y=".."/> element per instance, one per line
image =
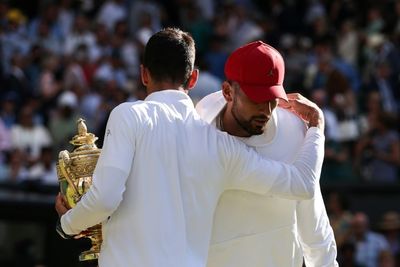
<point x="74" y="171"/>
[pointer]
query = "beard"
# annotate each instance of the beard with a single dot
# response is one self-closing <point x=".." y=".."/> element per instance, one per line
<point x="248" y="125"/>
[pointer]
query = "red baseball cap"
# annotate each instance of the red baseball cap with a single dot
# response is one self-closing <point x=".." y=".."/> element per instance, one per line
<point x="259" y="69"/>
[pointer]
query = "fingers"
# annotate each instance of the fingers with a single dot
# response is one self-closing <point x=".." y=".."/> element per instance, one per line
<point x="284" y="104"/>
<point x="60" y="205"/>
<point x="306" y="109"/>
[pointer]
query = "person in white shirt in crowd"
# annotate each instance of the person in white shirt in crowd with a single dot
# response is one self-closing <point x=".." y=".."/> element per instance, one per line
<point x="28" y="136"/>
<point x="79" y="35"/>
<point x="369" y="245"/>
<point x="162" y="169"/>
<point x="264" y="230"/>
<point x="110" y="12"/>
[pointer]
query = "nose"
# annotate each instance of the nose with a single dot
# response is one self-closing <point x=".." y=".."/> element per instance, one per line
<point x="267" y="107"/>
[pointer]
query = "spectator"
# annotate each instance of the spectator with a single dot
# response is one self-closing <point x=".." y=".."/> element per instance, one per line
<point x="112" y="69"/>
<point x="45" y="169"/>
<point x="74" y="78"/>
<point x="65" y="17"/>
<point x="110" y="12"/>
<point x="206" y="84"/>
<point x="340" y="217"/>
<point x="8" y="110"/>
<point x="139" y="7"/>
<point x="49" y="85"/>
<point x="17" y="83"/>
<point x="216" y="56"/>
<point x="385" y="82"/>
<point x="29" y="137"/>
<point x="14" y="39"/>
<point x="62" y="124"/>
<point x="14" y="170"/>
<point x="378" y="152"/>
<point x="369" y="244"/>
<point x="5" y="141"/>
<point x="79" y="36"/>
<point x="46" y="39"/>
<point x="102" y="47"/>
<point x="337" y="166"/>
<point x="49" y="15"/>
<point x="346" y="255"/>
<point x="348" y="42"/>
<point x="390" y="227"/>
<point x="129" y="49"/>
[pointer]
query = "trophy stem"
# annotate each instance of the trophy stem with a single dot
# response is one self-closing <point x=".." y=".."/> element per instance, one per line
<point x="95" y="236"/>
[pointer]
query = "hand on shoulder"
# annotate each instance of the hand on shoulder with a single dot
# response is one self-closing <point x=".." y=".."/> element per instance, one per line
<point x="305" y="109"/>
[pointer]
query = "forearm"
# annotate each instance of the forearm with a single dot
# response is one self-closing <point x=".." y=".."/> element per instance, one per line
<point x="308" y="164"/>
<point x="253" y="173"/>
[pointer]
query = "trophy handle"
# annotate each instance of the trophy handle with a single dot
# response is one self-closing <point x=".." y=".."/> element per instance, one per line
<point x="64" y="162"/>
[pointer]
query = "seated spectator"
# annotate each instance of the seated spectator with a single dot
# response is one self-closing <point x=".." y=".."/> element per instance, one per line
<point x="340" y="217"/>
<point x="79" y="36"/>
<point x="368" y="244"/>
<point x="337" y="167"/>
<point x="45" y="169"/>
<point x="390" y="227"/>
<point x="16" y="82"/>
<point x="14" y="168"/>
<point x="110" y="12"/>
<point x="5" y="140"/>
<point x="29" y="137"/>
<point x="8" y="110"/>
<point x="346" y="255"/>
<point x="378" y="152"/>
<point x="62" y="124"/>
<point x="48" y="84"/>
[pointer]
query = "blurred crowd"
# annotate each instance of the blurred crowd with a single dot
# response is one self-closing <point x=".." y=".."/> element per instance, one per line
<point x="360" y="244"/>
<point x="65" y="59"/>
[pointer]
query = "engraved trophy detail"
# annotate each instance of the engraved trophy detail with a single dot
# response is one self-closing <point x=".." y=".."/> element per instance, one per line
<point x="74" y="171"/>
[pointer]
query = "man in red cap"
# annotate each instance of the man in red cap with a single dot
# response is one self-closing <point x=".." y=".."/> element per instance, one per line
<point x="250" y="229"/>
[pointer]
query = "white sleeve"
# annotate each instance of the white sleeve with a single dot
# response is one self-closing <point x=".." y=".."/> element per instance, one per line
<point x="315" y="232"/>
<point x="250" y="172"/>
<point x="99" y="202"/>
<point x="109" y="178"/>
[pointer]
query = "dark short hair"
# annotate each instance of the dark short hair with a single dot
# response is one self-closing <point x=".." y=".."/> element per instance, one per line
<point x="169" y="56"/>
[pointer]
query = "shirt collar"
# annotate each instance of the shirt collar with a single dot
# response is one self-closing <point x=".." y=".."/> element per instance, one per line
<point x="171" y="97"/>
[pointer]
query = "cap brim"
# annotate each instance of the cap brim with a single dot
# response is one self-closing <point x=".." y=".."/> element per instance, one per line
<point x="264" y="93"/>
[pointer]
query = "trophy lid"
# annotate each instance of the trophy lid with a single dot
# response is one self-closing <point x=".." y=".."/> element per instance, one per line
<point x="83" y="140"/>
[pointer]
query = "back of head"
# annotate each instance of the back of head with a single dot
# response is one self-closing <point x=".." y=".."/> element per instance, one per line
<point x="169" y="56"/>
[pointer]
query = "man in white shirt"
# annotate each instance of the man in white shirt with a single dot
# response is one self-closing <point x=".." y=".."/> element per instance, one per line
<point x="162" y="169"/>
<point x="264" y="230"/>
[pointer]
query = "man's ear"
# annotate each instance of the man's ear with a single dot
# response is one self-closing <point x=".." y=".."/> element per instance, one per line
<point x="144" y="74"/>
<point x="194" y="76"/>
<point x="227" y="91"/>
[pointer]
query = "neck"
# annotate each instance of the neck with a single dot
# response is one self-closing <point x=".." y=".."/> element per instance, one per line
<point x="230" y="125"/>
<point x="161" y="86"/>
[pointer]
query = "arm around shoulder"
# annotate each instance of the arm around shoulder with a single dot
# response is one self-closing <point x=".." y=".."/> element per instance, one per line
<point x="247" y="170"/>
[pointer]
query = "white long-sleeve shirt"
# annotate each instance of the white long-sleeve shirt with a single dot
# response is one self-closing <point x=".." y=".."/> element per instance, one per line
<point x="269" y="231"/>
<point x="160" y="175"/>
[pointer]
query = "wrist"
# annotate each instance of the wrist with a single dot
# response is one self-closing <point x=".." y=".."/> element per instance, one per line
<point x="61" y="232"/>
<point x="317" y="120"/>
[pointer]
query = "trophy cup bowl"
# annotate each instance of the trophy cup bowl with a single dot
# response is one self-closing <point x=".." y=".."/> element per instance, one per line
<point x="75" y="171"/>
